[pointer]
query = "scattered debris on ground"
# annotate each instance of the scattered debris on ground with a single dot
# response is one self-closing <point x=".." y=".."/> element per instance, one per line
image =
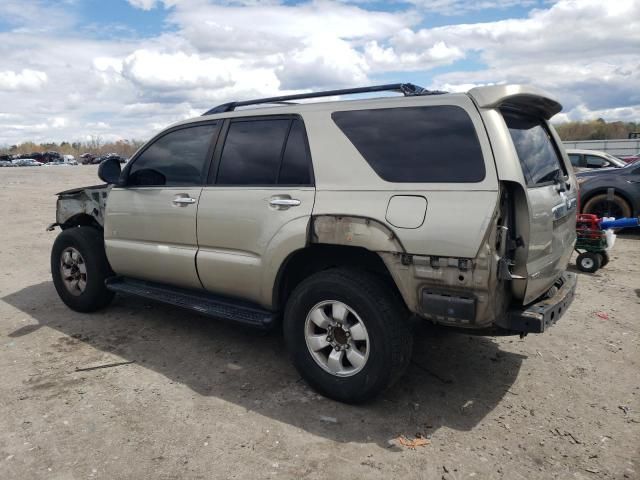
<point x="108" y="365"/>
<point x="418" y="441"/>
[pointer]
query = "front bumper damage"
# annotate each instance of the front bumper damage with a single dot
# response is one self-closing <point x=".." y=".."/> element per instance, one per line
<point x="539" y="316"/>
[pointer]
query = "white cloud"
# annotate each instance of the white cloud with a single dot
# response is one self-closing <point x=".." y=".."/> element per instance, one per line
<point x="105" y="64"/>
<point x="384" y="59"/>
<point x="323" y="61"/>
<point x="58" y="122"/>
<point x="36" y="16"/>
<point x="25" y="80"/>
<point x="163" y="71"/>
<point x="268" y="28"/>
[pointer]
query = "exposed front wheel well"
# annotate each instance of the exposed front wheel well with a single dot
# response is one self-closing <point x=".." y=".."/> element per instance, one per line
<point x="81" y="220"/>
<point x="315" y="258"/>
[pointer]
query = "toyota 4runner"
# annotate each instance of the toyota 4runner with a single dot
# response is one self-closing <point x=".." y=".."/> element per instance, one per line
<point x="341" y="219"/>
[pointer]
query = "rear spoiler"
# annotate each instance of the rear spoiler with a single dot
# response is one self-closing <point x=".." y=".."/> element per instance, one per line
<point x="520" y="97"/>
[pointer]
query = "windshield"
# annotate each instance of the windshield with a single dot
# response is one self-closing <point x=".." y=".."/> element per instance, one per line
<point x="536" y="150"/>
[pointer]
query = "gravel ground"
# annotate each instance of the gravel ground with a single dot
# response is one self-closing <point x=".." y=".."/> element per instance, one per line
<point x="203" y="399"/>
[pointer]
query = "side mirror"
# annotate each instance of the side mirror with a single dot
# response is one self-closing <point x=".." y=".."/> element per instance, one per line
<point x="109" y="171"/>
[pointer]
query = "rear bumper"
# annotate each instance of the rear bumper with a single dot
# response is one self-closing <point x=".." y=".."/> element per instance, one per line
<point x="538" y="316"/>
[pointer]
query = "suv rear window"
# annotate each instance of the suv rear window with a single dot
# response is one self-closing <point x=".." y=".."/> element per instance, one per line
<point x="416" y="144"/>
<point x="536" y="151"/>
<point x="252" y="152"/>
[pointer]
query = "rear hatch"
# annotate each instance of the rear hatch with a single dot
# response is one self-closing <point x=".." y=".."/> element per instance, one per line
<point x="552" y="199"/>
<point x="531" y="162"/>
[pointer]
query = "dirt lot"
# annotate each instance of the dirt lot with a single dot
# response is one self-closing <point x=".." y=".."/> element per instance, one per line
<point x="204" y="399"/>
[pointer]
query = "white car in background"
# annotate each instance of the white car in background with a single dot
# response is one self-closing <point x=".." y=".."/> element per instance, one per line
<point x="27" y="162"/>
<point x="582" y="160"/>
<point x="64" y="161"/>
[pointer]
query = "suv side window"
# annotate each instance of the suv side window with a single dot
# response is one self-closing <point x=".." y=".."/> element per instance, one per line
<point x="175" y="159"/>
<point x="265" y="152"/>
<point x="596" y="162"/>
<point x="416" y="144"/>
<point x="575" y="159"/>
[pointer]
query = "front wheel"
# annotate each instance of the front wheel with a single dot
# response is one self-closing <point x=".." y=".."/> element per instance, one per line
<point x="348" y="334"/>
<point x="79" y="268"/>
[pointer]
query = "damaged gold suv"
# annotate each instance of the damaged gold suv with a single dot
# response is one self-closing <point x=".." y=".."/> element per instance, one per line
<point x="338" y="220"/>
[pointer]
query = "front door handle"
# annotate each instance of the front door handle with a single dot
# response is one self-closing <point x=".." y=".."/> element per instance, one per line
<point x="183" y="200"/>
<point x="283" y="203"/>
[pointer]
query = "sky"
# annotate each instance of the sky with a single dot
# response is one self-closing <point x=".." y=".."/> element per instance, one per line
<point x="76" y="69"/>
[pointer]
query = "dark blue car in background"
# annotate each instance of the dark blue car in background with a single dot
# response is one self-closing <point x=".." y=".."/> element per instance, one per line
<point x="611" y="192"/>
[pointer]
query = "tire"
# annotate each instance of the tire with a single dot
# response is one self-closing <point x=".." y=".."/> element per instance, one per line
<point x="598" y="205"/>
<point x="76" y="250"/>
<point x="588" y="262"/>
<point x="381" y="357"/>
<point x="604" y="258"/>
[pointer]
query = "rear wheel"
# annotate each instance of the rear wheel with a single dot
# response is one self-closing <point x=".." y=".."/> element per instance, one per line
<point x="79" y="268"/>
<point x="588" y="262"/>
<point x="348" y="334"/>
<point x="601" y="206"/>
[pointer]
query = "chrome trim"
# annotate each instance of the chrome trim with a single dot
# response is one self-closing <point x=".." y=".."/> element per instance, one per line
<point x="567" y="206"/>
<point x="183" y="201"/>
<point x="284" y="202"/>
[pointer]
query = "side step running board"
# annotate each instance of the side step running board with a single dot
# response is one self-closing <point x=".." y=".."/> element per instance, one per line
<point x="201" y="302"/>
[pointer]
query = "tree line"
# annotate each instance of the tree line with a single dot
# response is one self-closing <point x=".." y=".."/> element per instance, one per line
<point x="95" y="145"/>
<point x="596" y="130"/>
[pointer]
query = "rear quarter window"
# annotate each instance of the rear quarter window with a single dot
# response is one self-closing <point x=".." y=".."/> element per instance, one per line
<point x="416" y="144"/>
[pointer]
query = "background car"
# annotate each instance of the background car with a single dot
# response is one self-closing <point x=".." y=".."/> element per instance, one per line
<point x="7" y="163"/>
<point x="57" y="163"/>
<point x="101" y="158"/>
<point x="611" y="192"/>
<point x="66" y="160"/>
<point x="27" y="162"/>
<point x="591" y="159"/>
<point x="87" y="158"/>
<point x="632" y="158"/>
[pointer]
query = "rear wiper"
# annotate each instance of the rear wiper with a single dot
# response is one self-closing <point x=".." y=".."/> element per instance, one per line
<point x="559" y="180"/>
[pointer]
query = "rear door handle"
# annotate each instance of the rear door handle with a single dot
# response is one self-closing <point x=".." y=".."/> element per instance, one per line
<point x="183" y="200"/>
<point x="284" y="203"/>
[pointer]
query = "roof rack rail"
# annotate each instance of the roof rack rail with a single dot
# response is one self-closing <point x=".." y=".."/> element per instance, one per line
<point x="407" y="89"/>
